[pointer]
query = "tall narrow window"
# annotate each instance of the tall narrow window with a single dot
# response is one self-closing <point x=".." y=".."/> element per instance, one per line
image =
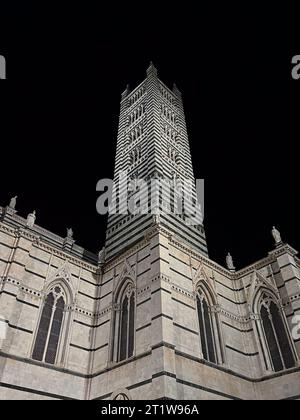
<point x="276" y="335"/>
<point x="206" y="326"/>
<point x="47" y="338"/>
<point x="126" y="324"/>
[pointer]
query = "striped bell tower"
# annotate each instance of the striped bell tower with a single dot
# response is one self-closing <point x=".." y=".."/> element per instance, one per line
<point x="152" y="145"/>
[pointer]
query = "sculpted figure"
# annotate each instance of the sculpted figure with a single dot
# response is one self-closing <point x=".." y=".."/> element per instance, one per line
<point x="229" y="262"/>
<point x="276" y="235"/>
<point x="31" y="219"/>
<point x="13" y="202"/>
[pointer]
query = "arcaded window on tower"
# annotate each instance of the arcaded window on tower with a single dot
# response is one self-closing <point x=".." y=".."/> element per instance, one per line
<point x="124" y="336"/>
<point x="276" y="335"/>
<point x="208" y="327"/>
<point x="50" y="326"/>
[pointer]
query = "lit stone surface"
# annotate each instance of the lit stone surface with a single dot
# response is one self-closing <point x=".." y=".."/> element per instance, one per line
<point x="166" y="274"/>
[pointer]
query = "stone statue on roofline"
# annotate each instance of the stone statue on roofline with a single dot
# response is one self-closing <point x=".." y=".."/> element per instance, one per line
<point x="13" y="202"/>
<point x="277" y="236"/>
<point x="31" y="219"/>
<point x="229" y="262"/>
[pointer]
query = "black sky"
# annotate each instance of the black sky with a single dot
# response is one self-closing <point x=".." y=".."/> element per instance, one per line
<point x="60" y="104"/>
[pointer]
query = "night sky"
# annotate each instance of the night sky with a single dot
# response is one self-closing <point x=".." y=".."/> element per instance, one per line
<point x="59" y="109"/>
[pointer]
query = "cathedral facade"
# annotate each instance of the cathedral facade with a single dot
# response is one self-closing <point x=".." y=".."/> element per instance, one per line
<point x="152" y="316"/>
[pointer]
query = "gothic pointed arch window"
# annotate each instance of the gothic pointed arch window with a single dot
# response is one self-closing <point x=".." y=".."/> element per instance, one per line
<point x="124" y="336"/>
<point x="274" y="334"/>
<point x="208" y="327"/>
<point x="121" y="394"/>
<point x="50" y="326"/>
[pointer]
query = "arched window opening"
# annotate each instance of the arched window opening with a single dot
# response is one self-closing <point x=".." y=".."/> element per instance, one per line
<point x="276" y="335"/>
<point x="206" y="325"/>
<point x="126" y="321"/>
<point x="121" y="396"/>
<point x="50" y="326"/>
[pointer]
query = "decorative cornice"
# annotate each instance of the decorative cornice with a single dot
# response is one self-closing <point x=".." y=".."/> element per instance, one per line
<point x="182" y="291"/>
<point x="105" y="311"/>
<point x="37" y="239"/>
<point x="240" y="319"/>
<point x="40" y="295"/>
<point x="290" y="300"/>
<point x="271" y="258"/>
<point x="254" y="267"/>
<point x="82" y="311"/>
<point x="243" y="320"/>
<point x="23" y="288"/>
<point x="284" y="249"/>
<point x="157" y="230"/>
<point x="9" y="230"/>
<point x="66" y="257"/>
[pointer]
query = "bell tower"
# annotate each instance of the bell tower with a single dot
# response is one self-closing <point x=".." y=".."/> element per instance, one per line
<point x="153" y="146"/>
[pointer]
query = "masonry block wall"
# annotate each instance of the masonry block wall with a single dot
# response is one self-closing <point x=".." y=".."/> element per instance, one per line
<point x="168" y="359"/>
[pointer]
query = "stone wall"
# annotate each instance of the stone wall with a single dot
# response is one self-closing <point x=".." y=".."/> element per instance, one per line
<point x="167" y="360"/>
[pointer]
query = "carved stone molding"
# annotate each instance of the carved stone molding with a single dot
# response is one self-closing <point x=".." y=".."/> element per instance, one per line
<point x="258" y="281"/>
<point x="36" y="238"/>
<point x="23" y="288"/>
